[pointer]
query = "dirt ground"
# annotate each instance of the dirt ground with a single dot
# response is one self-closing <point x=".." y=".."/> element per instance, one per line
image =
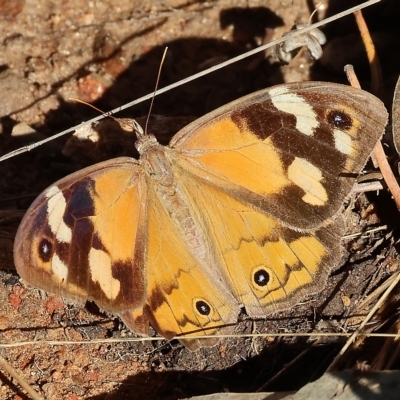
<point x="108" y="53"/>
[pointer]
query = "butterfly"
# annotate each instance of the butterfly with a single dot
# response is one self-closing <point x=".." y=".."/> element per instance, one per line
<point x="241" y="210"/>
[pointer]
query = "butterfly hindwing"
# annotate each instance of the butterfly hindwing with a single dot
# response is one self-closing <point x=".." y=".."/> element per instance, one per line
<point x="267" y="266"/>
<point x="186" y="293"/>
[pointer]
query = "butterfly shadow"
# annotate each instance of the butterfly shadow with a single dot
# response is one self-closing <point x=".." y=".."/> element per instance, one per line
<point x="248" y="375"/>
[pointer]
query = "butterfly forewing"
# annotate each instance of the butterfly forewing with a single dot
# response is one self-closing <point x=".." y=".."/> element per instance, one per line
<point x="84" y="236"/>
<point x="292" y="150"/>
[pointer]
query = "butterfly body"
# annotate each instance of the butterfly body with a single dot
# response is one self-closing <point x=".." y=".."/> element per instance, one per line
<point x="240" y="210"/>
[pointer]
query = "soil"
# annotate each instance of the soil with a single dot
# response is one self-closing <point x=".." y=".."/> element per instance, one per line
<point x="108" y="53"/>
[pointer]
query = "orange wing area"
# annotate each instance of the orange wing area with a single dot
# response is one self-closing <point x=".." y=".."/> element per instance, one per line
<point x="81" y="236"/>
<point x="268" y="267"/>
<point x="182" y="298"/>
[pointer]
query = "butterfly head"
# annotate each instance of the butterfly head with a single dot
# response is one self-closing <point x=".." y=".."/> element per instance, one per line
<point x="145" y="142"/>
<point x="152" y="153"/>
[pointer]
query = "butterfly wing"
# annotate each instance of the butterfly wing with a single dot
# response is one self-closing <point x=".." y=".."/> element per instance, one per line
<point x="269" y="173"/>
<point x="268" y="266"/>
<point x="73" y="242"/>
<point x="293" y="150"/>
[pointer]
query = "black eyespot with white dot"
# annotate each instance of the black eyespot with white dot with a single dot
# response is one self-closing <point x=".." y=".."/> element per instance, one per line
<point x="261" y="277"/>
<point x="339" y="119"/>
<point x="202" y="307"/>
<point x="45" y="250"/>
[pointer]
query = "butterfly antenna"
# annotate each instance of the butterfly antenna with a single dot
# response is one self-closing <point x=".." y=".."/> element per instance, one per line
<point x="107" y="114"/>
<point x="155" y="90"/>
<point x="128" y="125"/>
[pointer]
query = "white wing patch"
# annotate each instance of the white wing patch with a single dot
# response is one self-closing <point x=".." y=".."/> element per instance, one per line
<point x="101" y="272"/>
<point x="307" y="176"/>
<point x="59" y="269"/>
<point x="343" y="142"/>
<point x="306" y="118"/>
<point x="56" y="206"/>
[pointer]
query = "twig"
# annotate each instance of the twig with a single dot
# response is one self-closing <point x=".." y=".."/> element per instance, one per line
<point x="18" y="378"/>
<point x="374" y="64"/>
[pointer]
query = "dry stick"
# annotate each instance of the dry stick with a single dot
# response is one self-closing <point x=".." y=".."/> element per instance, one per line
<point x="362" y="325"/>
<point x="292" y="34"/>
<point x="387" y="173"/>
<point x="376" y="89"/>
<point x="362" y="187"/>
<point x="375" y="66"/>
<point x="158" y="338"/>
<point x="18" y="378"/>
<point x="365" y="233"/>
